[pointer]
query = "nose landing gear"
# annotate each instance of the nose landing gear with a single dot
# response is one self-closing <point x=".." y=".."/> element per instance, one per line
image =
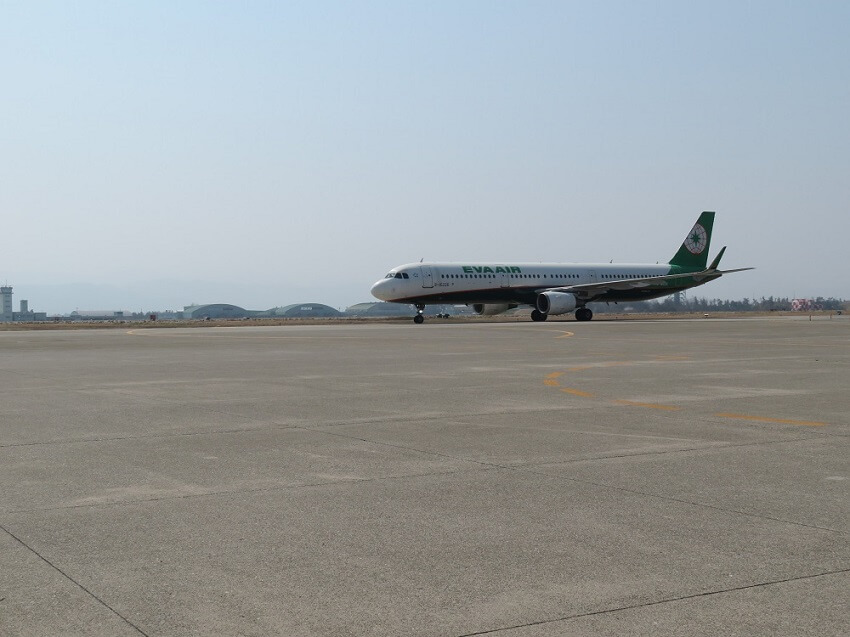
<point x="419" y="318"/>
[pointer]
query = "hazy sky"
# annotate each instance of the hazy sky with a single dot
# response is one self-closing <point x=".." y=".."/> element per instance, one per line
<point x="155" y="154"/>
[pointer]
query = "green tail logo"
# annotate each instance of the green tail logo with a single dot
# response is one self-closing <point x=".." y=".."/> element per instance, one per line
<point x="694" y="250"/>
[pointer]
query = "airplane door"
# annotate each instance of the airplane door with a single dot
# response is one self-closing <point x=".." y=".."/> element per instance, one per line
<point x="504" y="280"/>
<point x="427" y="278"/>
<point x="592" y="276"/>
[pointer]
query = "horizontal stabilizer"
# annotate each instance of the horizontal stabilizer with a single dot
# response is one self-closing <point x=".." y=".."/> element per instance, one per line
<point x="716" y="261"/>
<point x="731" y="271"/>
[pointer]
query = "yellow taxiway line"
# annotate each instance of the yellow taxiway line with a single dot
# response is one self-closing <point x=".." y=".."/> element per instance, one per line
<point x="648" y="405"/>
<point x="552" y="380"/>
<point x="576" y="392"/>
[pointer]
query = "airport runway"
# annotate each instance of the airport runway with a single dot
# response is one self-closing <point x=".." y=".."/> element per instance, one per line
<point x="509" y="479"/>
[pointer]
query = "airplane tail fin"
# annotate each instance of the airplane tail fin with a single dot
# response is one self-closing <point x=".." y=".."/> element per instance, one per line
<point x="693" y="252"/>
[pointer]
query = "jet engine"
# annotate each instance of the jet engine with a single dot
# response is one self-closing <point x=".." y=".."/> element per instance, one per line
<point x="489" y="309"/>
<point x="555" y="302"/>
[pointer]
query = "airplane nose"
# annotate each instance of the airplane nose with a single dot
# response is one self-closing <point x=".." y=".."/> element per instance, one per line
<point x="379" y="290"/>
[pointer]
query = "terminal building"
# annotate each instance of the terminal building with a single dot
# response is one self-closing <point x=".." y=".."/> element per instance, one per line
<point x="100" y="315"/>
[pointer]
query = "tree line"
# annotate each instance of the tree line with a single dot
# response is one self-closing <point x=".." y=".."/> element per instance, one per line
<point x="681" y="303"/>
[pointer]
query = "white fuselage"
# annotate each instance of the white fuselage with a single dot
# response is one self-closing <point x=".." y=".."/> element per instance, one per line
<point x="425" y="283"/>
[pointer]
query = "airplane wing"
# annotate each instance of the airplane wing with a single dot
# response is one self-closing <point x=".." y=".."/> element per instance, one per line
<point x="593" y="289"/>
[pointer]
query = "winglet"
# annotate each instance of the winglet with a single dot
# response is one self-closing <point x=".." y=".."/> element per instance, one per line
<point x="716" y="261"/>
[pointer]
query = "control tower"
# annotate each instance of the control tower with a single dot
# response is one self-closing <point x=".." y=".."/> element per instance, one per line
<point x="6" y="304"/>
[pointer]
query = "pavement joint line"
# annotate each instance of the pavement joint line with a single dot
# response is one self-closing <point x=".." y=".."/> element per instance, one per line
<point x="658" y="602"/>
<point x="668" y="498"/>
<point x="73" y="581"/>
<point x="520" y="468"/>
<point x="483" y="466"/>
<point x="516" y="468"/>
<point x="252" y="337"/>
<point x="272" y="425"/>
<point x="223" y="432"/>
<point x="268" y="489"/>
<point x="784" y="421"/>
<point x="707" y="447"/>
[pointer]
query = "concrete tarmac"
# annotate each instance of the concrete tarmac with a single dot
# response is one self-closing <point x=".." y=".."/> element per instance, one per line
<point x="686" y="477"/>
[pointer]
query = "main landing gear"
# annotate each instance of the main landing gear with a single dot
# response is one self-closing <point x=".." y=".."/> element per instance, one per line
<point x="419" y="318"/>
<point x="584" y="314"/>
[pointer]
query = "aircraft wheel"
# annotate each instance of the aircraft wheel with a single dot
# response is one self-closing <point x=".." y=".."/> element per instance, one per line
<point x="537" y="315"/>
<point x="584" y="314"/>
<point x="418" y="319"/>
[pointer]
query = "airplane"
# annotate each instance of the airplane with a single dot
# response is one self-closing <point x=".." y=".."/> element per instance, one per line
<point x="552" y="289"/>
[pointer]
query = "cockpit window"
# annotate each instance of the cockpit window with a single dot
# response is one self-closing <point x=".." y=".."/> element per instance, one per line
<point x="398" y="275"/>
<point x="405" y="275"/>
